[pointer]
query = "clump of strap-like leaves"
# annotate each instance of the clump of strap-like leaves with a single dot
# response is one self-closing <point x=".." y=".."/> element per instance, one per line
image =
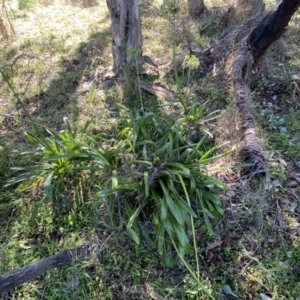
<point x="154" y="168"/>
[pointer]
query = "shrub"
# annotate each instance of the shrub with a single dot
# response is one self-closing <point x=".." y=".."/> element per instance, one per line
<point x="154" y="167"/>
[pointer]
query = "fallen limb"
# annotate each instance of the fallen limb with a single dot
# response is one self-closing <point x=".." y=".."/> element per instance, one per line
<point x="16" y="278"/>
<point x="251" y="149"/>
<point x="231" y="62"/>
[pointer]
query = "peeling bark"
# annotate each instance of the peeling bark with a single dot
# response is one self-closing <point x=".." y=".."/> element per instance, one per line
<point x="251" y="149"/>
<point x="271" y="28"/>
<point x="126" y="32"/>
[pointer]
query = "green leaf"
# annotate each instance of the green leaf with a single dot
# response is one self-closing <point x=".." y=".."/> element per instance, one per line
<point x="192" y="155"/>
<point x="132" y="219"/>
<point x="206" y="220"/>
<point x="144" y="143"/>
<point x="187" y="208"/>
<point x="86" y="169"/>
<point x="145" y="133"/>
<point x="126" y="180"/>
<point x="185" y="153"/>
<point x="178" y="168"/>
<point x="161" y="239"/>
<point x="134" y="235"/>
<point x="155" y="218"/>
<point x="174" y="209"/>
<point x="65" y="119"/>
<point x="135" y="214"/>
<point x="163" y="209"/>
<point x="73" y="156"/>
<point x="227" y="290"/>
<point x="37" y="206"/>
<point x="48" y="187"/>
<point x="106" y="193"/>
<point x="210" y="151"/>
<point x="166" y="147"/>
<point x="114" y="180"/>
<point x="144" y="152"/>
<point x="170" y="228"/>
<point x="146" y="236"/>
<point x="146" y="184"/>
<point x="182" y="237"/>
<point x="86" y="125"/>
<point x="128" y="186"/>
<point x="211" y="198"/>
<point x="41" y="141"/>
<point x="208" y="213"/>
<point x="217" y="182"/>
<point x="150" y="165"/>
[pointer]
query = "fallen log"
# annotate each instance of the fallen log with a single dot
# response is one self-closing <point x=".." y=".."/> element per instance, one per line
<point x="232" y="61"/>
<point x="16" y="278"/>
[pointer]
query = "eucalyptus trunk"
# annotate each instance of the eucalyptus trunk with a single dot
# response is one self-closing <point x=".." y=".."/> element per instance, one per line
<point x="126" y="32"/>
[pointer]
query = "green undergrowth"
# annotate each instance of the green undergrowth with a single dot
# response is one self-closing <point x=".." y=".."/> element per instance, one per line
<point x="287" y="138"/>
<point x="153" y="168"/>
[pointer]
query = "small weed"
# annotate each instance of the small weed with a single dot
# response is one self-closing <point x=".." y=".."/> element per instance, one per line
<point x="277" y="123"/>
<point x="26" y="4"/>
<point x="287" y="140"/>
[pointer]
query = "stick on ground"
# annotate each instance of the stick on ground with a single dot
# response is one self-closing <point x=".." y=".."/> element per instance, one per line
<point x="16" y="278"/>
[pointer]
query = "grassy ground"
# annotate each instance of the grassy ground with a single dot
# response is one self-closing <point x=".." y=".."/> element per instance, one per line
<point x="50" y="54"/>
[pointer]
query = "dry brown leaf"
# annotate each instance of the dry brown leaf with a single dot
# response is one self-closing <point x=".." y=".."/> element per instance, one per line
<point x="213" y="245"/>
<point x="154" y="295"/>
<point x="280" y="221"/>
<point x="157" y="89"/>
<point x="148" y="60"/>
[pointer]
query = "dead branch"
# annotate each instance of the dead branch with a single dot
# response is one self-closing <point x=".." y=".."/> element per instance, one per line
<point x="16" y="278"/>
<point x="271" y="28"/>
<point x="157" y="89"/>
<point x="231" y="61"/>
<point x="17" y="57"/>
<point x="251" y="149"/>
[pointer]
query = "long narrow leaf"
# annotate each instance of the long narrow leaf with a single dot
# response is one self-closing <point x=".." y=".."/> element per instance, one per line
<point x="206" y="220"/>
<point x="146" y="184"/>
<point x="192" y="155"/>
<point x="173" y="208"/>
<point x="161" y="239"/>
<point x="210" y="151"/>
<point x="48" y="187"/>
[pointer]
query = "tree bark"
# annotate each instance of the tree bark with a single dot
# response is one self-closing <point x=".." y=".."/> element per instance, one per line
<point x="251" y="149"/>
<point x="15" y="278"/>
<point x="271" y="28"/>
<point x="126" y="31"/>
<point x="196" y="7"/>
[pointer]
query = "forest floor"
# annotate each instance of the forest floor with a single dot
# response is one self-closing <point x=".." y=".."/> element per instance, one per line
<point x="55" y="54"/>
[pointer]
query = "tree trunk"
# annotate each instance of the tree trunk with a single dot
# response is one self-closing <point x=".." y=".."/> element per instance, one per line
<point x="271" y="28"/>
<point x="126" y="31"/>
<point x="196" y="7"/>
